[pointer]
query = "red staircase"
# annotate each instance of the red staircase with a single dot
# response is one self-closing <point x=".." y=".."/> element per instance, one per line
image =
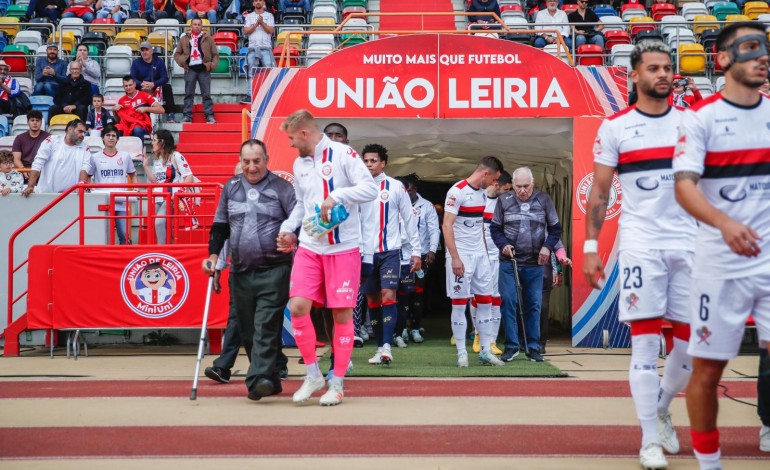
<point x="417" y="23"/>
<point x="212" y="149"/>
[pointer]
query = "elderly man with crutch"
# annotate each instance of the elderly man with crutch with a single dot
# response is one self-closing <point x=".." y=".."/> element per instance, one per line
<point x="522" y="219"/>
<point x="251" y="208"/>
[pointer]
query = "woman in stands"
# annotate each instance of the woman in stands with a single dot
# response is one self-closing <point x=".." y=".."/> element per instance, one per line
<point x="166" y="165"/>
<point x="92" y="71"/>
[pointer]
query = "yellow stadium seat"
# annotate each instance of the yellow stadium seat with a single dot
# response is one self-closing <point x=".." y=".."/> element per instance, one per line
<point x="67" y="40"/>
<point x="294" y="39"/>
<point x="131" y="39"/>
<point x="736" y="18"/>
<point x="162" y="39"/>
<point x="704" y="22"/>
<point x="641" y="23"/>
<point x="59" y="123"/>
<point x="9" y="26"/>
<point x="692" y="59"/>
<point x="754" y="9"/>
<point x="109" y="29"/>
<point x="136" y="24"/>
<point x="323" y="24"/>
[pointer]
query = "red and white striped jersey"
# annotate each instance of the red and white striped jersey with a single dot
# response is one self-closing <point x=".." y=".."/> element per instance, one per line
<point x="386" y="212"/>
<point x="468" y="204"/>
<point x="334" y="170"/>
<point x="729" y="146"/>
<point x="641" y="147"/>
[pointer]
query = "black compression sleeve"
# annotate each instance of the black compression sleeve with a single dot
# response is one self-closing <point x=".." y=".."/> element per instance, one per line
<point x="219" y="233"/>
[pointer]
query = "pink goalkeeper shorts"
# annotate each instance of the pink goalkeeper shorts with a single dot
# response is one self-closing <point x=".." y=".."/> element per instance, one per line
<point x="331" y="280"/>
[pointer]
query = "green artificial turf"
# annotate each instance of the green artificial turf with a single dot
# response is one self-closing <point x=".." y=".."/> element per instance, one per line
<point x="438" y="358"/>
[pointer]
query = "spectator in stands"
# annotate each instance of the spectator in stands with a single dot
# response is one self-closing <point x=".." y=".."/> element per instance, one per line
<point x="151" y="76"/>
<point x="47" y="69"/>
<point x="232" y="10"/>
<point x="61" y="161"/>
<point x="283" y="4"/>
<point x="522" y="219"/>
<point x="167" y="9"/>
<point x="92" y="71"/>
<point x="98" y="117"/>
<point x="166" y="165"/>
<point x="110" y="9"/>
<point x="685" y="93"/>
<point x="11" y="181"/>
<point x="259" y="26"/>
<point x="591" y="34"/>
<point x="545" y="19"/>
<point x="82" y="9"/>
<point x="48" y="9"/>
<point x="197" y="54"/>
<point x="483" y="6"/>
<point x="112" y="166"/>
<point x="25" y="145"/>
<point x="249" y="214"/>
<point x="9" y="89"/>
<point x="202" y="9"/>
<point x="133" y="110"/>
<point x="74" y="94"/>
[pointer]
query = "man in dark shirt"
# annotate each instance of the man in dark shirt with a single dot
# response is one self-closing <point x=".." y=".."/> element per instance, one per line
<point x="151" y="76"/>
<point x="585" y="33"/>
<point x="522" y="219"/>
<point x="483" y="6"/>
<point x="25" y="145"/>
<point x="251" y="209"/>
<point x="74" y="94"/>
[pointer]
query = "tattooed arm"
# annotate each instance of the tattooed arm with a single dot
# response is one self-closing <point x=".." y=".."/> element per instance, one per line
<point x="595" y="212"/>
<point x="741" y="238"/>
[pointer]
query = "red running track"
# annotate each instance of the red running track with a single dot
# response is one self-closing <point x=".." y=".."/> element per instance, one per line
<point x="234" y="441"/>
<point x="353" y="388"/>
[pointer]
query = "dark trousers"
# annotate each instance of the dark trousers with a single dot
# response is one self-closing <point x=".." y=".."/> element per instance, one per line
<point x="763" y="387"/>
<point x="168" y="99"/>
<point x="259" y="298"/>
<point x="80" y="111"/>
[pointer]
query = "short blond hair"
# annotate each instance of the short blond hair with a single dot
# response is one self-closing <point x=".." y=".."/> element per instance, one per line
<point x="300" y="119"/>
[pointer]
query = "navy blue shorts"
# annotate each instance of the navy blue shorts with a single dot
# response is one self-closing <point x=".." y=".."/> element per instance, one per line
<point x="387" y="267"/>
<point x="406" y="280"/>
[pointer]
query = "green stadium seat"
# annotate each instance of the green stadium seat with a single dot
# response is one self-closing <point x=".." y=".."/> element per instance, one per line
<point x="225" y="57"/>
<point x="722" y="9"/>
<point x="16" y="11"/>
<point x="348" y="40"/>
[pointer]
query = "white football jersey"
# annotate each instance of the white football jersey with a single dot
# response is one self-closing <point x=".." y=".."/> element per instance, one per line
<point x="729" y="146"/>
<point x="641" y="147"/>
<point x="391" y="212"/>
<point x="112" y="169"/>
<point x="489" y="214"/>
<point x="468" y="204"/>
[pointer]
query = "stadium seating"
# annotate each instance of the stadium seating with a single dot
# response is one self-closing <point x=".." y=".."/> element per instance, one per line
<point x="516" y="23"/>
<point x="117" y="61"/>
<point x="754" y="9"/>
<point x="66" y="40"/>
<point x="653" y="35"/>
<point x="138" y="25"/>
<point x="736" y="18"/>
<point x="293" y="55"/>
<point x="95" y="144"/>
<point x="641" y="23"/>
<point x="25" y="84"/>
<point x="604" y="10"/>
<point x="318" y="24"/>
<point x="325" y="11"/>
<point x="3" y="41"/>
<point x="6" y="143"/>
<point x="620" y="55"/>
<point x="42" y="104"/>
<point x="614" y="37"/>
<point x="134" y="146"/>
<point x="692" y="59"/>
<point x="76" y="25"/>
<point x="20" y="125"/>
<point x="671" y="23"/>
<point x="294" y="39"/>
<point x="704" y="22"/>
<point x="719" y="84"/>
<point x="708" y="38"/>
<point x="105" y="26"/>
<point x="659" y="11"/>
<point x="113" y="86"/>
<point x="59" y="123"/>
<point x="16" y="11"/>
<point x="612" y="22"/>
<point x="316" y="52"/>
<point x="569" y="7"/>
<point x="9" y="26"/>
<point x="170" y="25"/>
<point x="631" y="10"/>
<point x="356" y="24"/>
<point x="347" y="11"/>
<point x="31" y="39"/>
<point x="691" y="10"/>
<point x="227" y="39"/>
<point x="590" y="54"/>
<point x="162" y="39"/>
<point x="682" y="36"/>
<point x="16" y="58"/>
<point x="296" y="13"/>
<point x="4" y="130"/>
<point x="225" y="59"/>
<point x="132" y="39"/>
<point x="97" y="39"/>
<point x="348" y="40"/>
<point x="556" y="51"/>
<point x="353" y="3"/>
<point x="703" y="84"/>
<point x="321" y="40"/>
<point x="722" y="9"/>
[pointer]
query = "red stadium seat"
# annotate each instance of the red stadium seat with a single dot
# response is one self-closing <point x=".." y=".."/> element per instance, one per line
<point x="510" y="7"/>
<point x="632" y="6"/>
<point x="16" y="58"/>
<point x="614" y="37"/>
<point x="659" y="10"/>
<point x="590" y="54"/>
<point x="293" y="56"/>
<point x="569" y="8"/>
<point x="103" y="21"/>
<point x="226" y="38"/>
<point x="347" y="11"/>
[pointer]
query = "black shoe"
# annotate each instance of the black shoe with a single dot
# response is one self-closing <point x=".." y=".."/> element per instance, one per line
<point x="283" y="373"/>
<point x="301" y="360"/>
<point x="218" y="374"/>
<point x="263" y="388"/>
<point x="358" y="342"/>
<point x="534" y="355"/>
<point x="509" y="354"/>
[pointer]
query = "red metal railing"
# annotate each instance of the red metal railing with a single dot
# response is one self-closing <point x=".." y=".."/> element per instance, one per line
<point x="207" y="197"/>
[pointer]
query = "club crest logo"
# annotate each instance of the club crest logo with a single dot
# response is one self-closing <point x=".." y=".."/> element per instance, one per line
<point x="326" y="170"/>
<point x="584" y="190"/>
<point x="632" y="299"/>
<point x="154" y="285"/>
<point x="384" y="195"/>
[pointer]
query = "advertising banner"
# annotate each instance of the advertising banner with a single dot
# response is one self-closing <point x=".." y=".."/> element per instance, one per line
<point x="151" y="286"/>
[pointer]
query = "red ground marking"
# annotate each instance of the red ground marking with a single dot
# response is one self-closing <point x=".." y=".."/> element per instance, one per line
<point x="212" y="441"/>
<point x="353" y="388"/>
